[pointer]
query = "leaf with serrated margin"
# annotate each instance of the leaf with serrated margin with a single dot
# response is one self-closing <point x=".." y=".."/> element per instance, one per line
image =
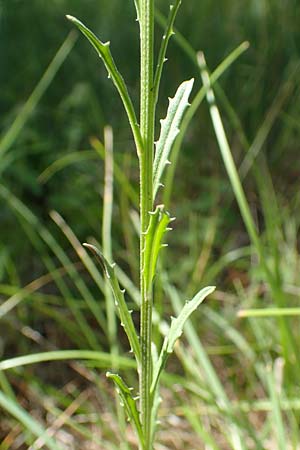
<point x="176" y="330"/>
<point x="125" y="314"/>
<point x="129" y="402"/>
<point x="158" y="225"/>
<point x="103" y="50"/>
<point x="169" y="131"/>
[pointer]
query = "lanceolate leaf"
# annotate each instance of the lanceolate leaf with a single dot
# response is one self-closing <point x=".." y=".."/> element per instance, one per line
<point x="103" y="50"/>
<point x="158" y="225"/>
<point x="169" y="131"/>
<point x="125" y="314"/>
<point x="176" y="330"/>
<point x="164" y="45"/>
<point x="129" y="402"/>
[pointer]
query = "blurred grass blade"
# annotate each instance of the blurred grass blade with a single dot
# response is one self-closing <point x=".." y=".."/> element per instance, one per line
<point x="41" y="231"/>
<point x="168" y="32"/>
<point x="60" y="355"/>
<point x="129" y="402"/>
<point x="103" y="50"/>
<point x="176" y="330"/>
<point x="269" y="312"/>
<point x="287" y="338"/>
<point x="198" y="426"/>
<point x="125" y="314"/>
<point x="169" y="131"/>
<point x="106" y="235"/>
<point x="13" y="408"/>
<point x="65" y="161"/>
<point x="191" y="111"/>
<point x="277" y="422"/>
<point x="14" y="130"/>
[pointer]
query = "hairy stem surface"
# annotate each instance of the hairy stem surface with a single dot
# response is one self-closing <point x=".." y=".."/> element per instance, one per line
<point x="146" y="205"/>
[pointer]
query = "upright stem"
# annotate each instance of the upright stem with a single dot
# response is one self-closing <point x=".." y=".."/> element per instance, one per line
<point x="146" y="205"/>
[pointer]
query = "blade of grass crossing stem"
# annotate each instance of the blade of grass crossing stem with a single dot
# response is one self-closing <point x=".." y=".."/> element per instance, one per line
<point x="16" y="127"/>
<point x="287" y="339"/>
<point x="13" y="408"/>
<point x="103" y="50"/>
<point x="191" y="111"/>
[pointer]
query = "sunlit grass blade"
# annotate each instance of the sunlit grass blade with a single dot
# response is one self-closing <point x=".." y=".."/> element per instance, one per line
<point x="287" y="337"/>
<point x="16" y="127"/>
<point x="269" y="312"/>
<point x="103" y="50"/>
<point x="60" y="355"/>
<point x="277" y="422"/>
<point x="169" y="131"/>
<point x="13" y="408"/>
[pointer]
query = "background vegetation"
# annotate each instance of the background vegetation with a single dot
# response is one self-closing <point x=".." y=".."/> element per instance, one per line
<point x="52" y="160"/>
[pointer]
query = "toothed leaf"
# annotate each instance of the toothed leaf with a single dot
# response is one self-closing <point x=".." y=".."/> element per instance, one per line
<point x="103" y="50"/>
<point x="158" y="225"/>
<point x="129" y="402"/>
<point x="176" y="330"/>
<point x="169" y="131"/>
<point x="118" y="293"/>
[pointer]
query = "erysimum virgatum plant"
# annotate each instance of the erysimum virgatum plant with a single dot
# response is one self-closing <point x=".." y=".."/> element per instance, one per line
<point x="154" y="219"/>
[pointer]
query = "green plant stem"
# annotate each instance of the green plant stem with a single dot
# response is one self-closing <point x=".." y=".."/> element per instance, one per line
<point x="146" y="203"/>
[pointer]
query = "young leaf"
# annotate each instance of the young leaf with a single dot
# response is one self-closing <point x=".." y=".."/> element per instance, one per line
<point x="129" y="402"/>
<point x="169" y="131"/>
<point x="104" y="52"/>
<point x="168" y="32"/>
<point x="158" y="225"/>
<point x="176" y="330"/>
<point x="125" y="314"/>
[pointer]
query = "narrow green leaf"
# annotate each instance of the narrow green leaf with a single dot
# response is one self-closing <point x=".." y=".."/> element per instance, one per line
<point x="158" y="225"/>
<point x="105" y="359"/>
<point x="169" y="131"/>
<point x="176" y="330"/>
<point x="103" y="50"/>
<point x="168" y="32"/>
<point x="29" y="106"/>
<point x="269" y="312"/>
<point x="125" y="314"/>
<point x="129" y="402"/>
<point x="30" y="424"/>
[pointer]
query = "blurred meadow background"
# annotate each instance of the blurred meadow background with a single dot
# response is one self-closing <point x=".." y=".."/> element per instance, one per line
<point x="237" y="369"/>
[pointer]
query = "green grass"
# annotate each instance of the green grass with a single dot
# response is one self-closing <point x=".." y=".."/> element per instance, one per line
<point x="230" y="382"/>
